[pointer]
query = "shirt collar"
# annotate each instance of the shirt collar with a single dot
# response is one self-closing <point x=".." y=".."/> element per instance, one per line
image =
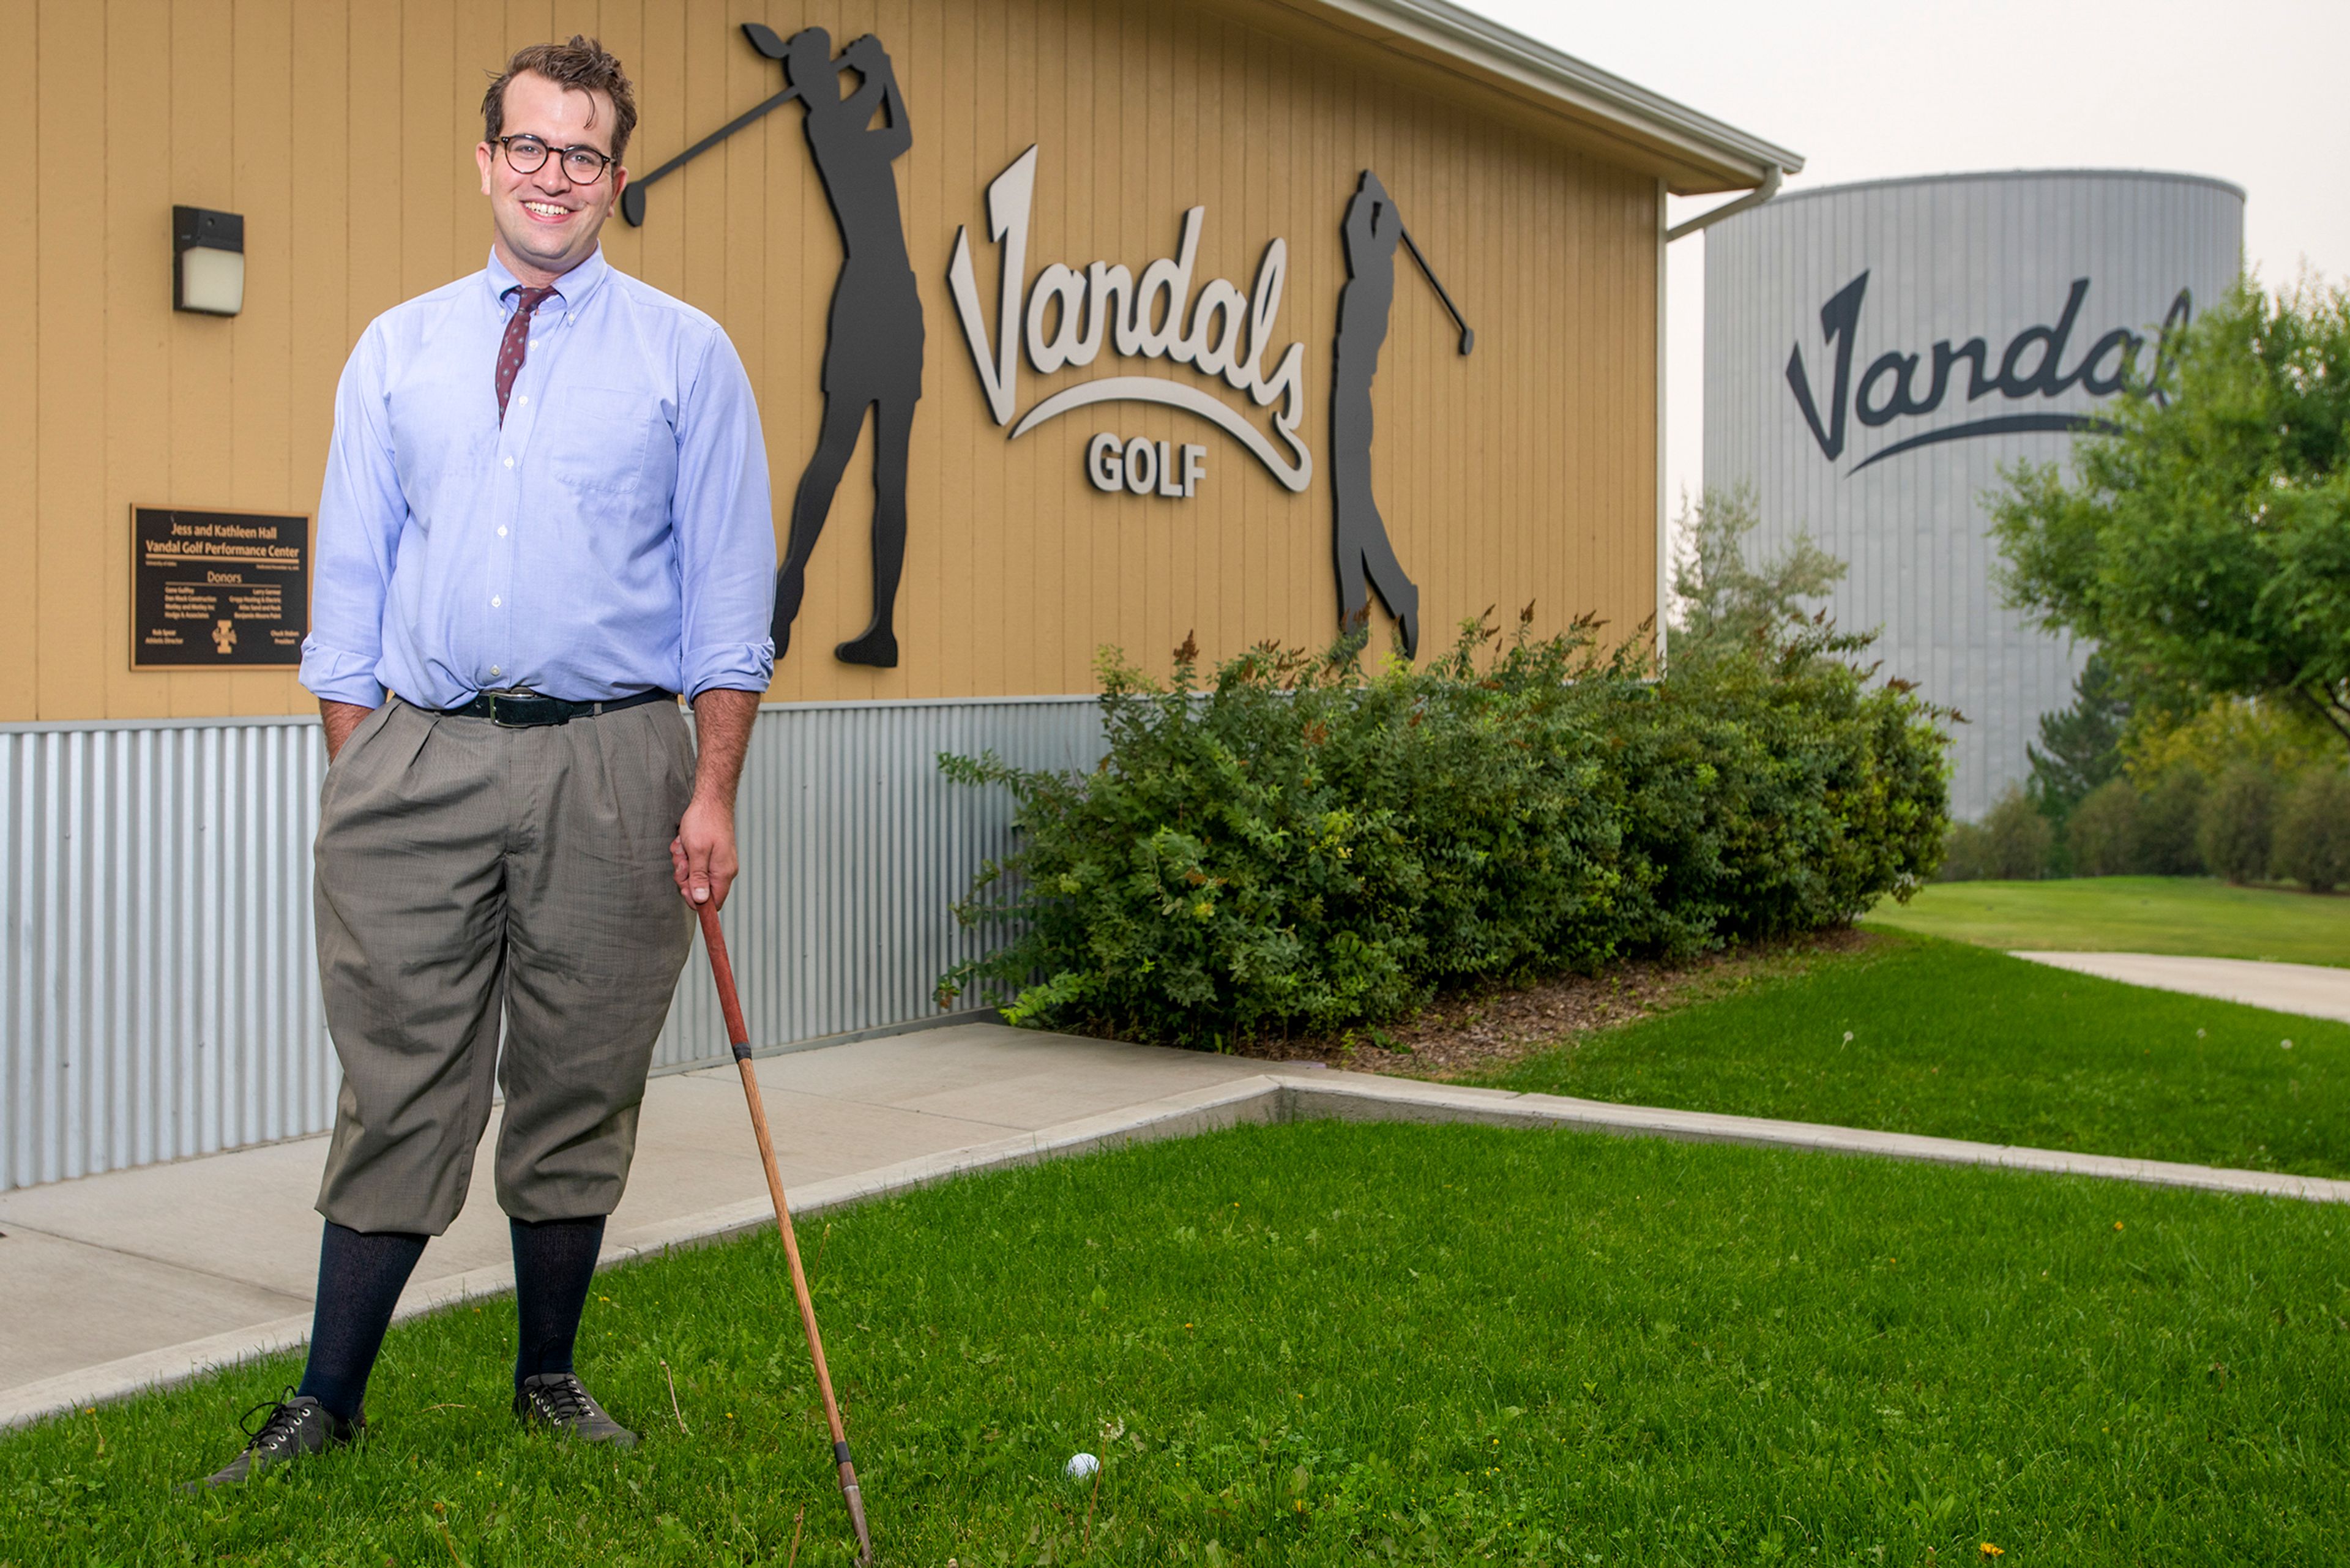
<point x="574" y="288"/>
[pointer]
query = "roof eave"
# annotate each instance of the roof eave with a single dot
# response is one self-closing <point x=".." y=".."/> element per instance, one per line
<point x="1696" y="153"/>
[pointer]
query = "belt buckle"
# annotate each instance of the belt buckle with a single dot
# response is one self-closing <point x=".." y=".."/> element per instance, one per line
<point x="501" y="703"/>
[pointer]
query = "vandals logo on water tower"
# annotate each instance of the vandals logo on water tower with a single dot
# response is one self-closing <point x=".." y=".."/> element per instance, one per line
<point x="2031" y="369"/>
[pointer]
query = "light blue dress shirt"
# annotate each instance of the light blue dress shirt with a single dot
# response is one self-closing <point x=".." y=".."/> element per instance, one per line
<point x="612" y="536"/>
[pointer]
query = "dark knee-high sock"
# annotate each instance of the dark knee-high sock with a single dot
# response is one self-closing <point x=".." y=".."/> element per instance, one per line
<point x="553" y="1261"/>
<point x="359" y="1280"/>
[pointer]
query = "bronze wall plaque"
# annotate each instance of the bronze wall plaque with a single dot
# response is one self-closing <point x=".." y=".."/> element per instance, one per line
<point x="212" y="588"/>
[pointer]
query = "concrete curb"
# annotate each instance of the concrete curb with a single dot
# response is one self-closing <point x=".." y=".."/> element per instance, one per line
<point x="1276" y="1096"/>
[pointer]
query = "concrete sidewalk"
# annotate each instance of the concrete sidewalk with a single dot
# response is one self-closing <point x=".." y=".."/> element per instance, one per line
<point x="116" y="1283"/>
<point x="2316" y="990"/>
<point x="218" y="1256"/>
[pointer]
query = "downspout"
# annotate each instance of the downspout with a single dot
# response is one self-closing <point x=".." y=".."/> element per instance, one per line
<point x="1754" y="198"/>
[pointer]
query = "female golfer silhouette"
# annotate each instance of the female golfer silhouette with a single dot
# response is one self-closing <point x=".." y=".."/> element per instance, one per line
<point x="1372" y="229"/>
<point x="873" y="353"/>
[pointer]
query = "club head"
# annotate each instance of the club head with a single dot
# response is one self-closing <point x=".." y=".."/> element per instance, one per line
<point x="632" y="206"/>
<point x="1468" y="338"/>
<point x="764" y="40"/>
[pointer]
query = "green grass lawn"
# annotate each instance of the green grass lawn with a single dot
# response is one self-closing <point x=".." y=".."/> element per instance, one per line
<point x="1333" y="1344"/>
<point x="1922" y="1037"/>
<point x="2191" y="916"/>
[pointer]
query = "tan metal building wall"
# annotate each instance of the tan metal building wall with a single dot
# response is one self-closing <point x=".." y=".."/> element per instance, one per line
<point x="344" y="135"/>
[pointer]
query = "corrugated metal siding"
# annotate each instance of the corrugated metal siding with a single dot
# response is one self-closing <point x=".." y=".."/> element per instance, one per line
<point x="854" y="846"/>
<point x="159" y="991"/>
<point x="1948" y="258"/>
<point x="160" y="998"/>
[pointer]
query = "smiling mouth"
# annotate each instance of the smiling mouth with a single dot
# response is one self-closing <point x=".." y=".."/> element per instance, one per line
<point x="545" y="209"/>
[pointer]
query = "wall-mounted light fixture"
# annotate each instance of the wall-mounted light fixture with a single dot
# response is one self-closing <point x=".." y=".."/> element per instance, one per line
<point x="207" y="261"/>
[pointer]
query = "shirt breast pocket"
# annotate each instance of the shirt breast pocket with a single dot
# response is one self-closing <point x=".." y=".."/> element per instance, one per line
<point x="597" y="439"/>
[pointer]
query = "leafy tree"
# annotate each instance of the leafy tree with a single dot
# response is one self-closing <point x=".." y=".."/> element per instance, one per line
<point x="2206" y="539"/>
<point x="1728" y="601"/>
<point x="2280" y="735"/>
<point x="2080" y="746"/>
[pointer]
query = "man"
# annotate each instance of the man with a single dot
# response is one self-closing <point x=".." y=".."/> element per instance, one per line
<point x="546" y="516"/>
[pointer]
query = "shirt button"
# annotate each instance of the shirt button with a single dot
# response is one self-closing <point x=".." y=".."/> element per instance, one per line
<point x="509" y="462"/>
<point x="501" y="533"/>
<point x="495" y="671"/>
<point x="524" y="398"/>
<point x="495" y="602"/>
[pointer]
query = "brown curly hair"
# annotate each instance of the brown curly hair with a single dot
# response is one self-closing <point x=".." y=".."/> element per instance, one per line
<point x="583" y="65"/>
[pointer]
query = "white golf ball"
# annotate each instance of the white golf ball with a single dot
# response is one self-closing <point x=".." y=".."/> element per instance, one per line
<point x="1080" y="1466"/>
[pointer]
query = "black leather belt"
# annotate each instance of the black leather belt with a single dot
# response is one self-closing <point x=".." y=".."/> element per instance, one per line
<point x="526" y="712"/>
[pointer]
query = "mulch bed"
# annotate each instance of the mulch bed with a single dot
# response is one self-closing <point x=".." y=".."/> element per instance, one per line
<point x="1476" y="1032"/>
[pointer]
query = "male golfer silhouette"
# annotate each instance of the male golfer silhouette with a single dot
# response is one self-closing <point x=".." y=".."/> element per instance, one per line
<point x="873" y="354"/>
<point x="1372" y="229"/>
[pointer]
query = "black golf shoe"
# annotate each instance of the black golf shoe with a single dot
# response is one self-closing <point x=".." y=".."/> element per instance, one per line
<point x="293" y="1427"/>
<point x="559" y="1401"/>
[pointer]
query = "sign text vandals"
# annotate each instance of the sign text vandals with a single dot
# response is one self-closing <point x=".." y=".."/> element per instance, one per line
<point x="1899" y="386"/>
<point x="1068" y="316"/>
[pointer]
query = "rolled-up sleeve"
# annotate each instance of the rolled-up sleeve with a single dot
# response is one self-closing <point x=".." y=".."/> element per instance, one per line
<point x="724" y="528"/>
<point x="360" y="514"/>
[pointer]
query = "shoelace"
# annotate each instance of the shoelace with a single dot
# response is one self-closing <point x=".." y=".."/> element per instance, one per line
<point x="566" y="1400"/>
<point x="277" y="1429"/>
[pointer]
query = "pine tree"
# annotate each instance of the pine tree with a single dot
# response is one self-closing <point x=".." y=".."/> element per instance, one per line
<point x="1728" y="601"/>
<point x="2080" y="746"/>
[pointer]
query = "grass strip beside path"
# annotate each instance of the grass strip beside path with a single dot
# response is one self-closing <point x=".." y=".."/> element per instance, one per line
<point x="1327" y="1343"/>
<point x="2192" y="916"/>
<point x="1919" y="1036"/>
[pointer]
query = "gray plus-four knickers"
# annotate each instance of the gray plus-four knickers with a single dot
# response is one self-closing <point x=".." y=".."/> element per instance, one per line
<point x="465" y="869"/>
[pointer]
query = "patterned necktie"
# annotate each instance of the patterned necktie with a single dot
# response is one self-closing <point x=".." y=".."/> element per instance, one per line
<point x="516" y="347"/>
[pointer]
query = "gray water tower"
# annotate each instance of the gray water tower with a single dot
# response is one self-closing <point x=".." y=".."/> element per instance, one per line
<point x="1875" y="352"/>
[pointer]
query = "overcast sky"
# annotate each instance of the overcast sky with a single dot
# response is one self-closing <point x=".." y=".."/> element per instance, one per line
<point x="2249" y="91"/>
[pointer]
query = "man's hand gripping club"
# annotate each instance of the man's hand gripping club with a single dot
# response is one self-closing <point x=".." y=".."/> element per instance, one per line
<point x="703" y="853"/>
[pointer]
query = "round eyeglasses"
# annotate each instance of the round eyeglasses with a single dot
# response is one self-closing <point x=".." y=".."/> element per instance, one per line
<point x="527" y="155"/>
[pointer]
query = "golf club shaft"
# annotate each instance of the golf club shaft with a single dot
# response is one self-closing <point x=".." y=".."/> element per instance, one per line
<point x="738" y="1035"/>
<point x="1429" y="273"/>
<point x="715" y="136"/>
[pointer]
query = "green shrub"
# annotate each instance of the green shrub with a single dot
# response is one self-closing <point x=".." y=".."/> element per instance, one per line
<point x="1303" y="846"/>
<point x="2102" y="835"/>
<point x="2167" y="813"/>
<point x="2012" y="843"/>
<point x="2313" y="832"/>
<point x="2016" y="838"/>
<point x="2238" y="820"/>
<point x="1966" y="853"/>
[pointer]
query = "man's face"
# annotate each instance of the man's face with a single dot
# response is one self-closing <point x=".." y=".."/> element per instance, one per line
<point x="545" y="225"/>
